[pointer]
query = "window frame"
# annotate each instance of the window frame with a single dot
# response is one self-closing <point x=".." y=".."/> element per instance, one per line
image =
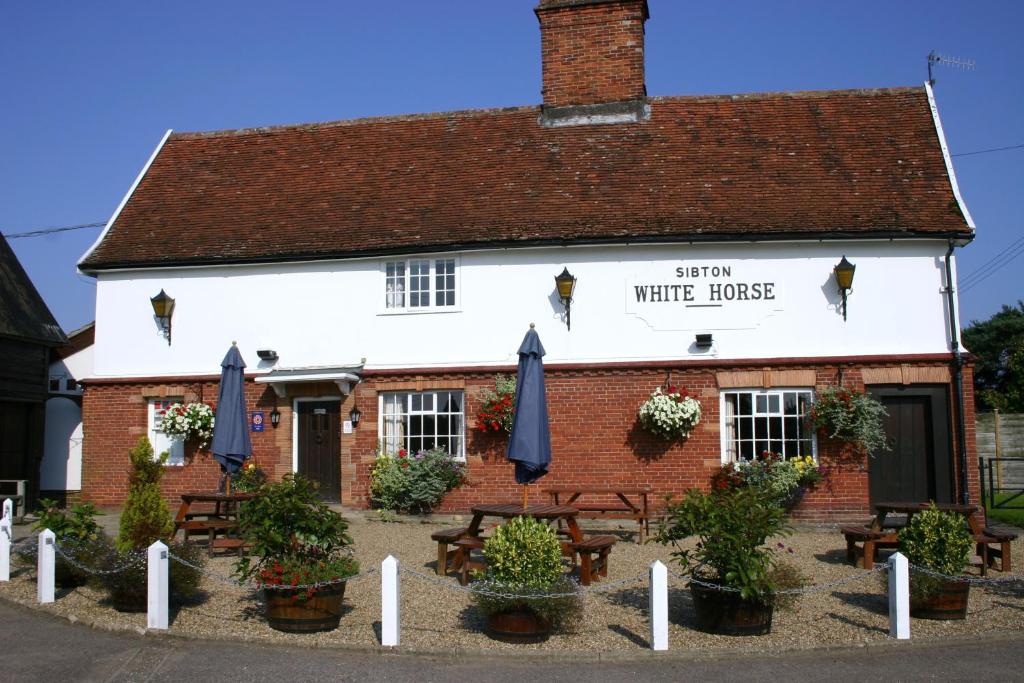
<point x="382" y="437"/>
<point x="760" y="391"/>
<point x="432" y="290"/>
<point x="176" y="445"/>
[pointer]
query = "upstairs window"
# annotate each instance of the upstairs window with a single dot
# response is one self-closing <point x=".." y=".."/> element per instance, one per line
<point x="420" y="284"/>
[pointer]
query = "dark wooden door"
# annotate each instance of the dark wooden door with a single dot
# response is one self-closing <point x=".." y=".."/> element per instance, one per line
<point x="919" y="467"/>
<point x="15" y="426"/>
<point x="320" y="446"/>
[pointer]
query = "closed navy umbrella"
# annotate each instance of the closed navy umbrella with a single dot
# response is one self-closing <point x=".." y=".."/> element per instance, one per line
<point x="231" y="444"/>
<point x="529" y="445"/>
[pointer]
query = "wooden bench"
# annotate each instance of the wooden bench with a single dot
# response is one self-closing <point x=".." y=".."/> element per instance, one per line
<point x="992" y="544"/>
<point x="210" y="526"/>
<point x="447" y="560"/>
<point x="593" y="552"/>
<point x="465" y="547"/>
<point x="870" y="541"/>
<point x="616" y="503"/>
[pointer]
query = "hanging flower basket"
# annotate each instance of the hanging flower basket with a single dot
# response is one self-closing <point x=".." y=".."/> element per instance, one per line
<point x="851" y="417"/>
<point x="497" y="406"/>
<point x="190" y="421"/>
<point x="672" y="414"/>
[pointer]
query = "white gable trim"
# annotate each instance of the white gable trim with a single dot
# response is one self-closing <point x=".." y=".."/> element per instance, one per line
<point x="946" y="157"/>
<point x="120" y="207"/>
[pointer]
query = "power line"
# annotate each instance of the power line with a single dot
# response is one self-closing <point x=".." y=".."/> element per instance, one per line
<point x="1006" y="258"/>
<point x="986" y="151"/>
<point x="50" y="231"/>
<point x="980" y="270"/>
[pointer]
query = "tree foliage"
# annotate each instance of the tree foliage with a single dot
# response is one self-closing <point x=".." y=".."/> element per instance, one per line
<point x="998" y="345"/>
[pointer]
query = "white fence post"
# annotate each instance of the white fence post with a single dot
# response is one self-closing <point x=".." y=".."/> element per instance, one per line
<point x="390" y="605"/>
<point x="5" y="546"/>
<point x="9" y="510"/>
<point x="899" y="597"/>
<point x="44" y="566"/>
<point x="157" y="594"/>
<point x="659" y="606"/>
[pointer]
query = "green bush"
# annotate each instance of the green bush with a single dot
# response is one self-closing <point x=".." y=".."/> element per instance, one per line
<point x="732" y="526"/>
<point x="416" y="483"/>
<point x="295" y="537"/>
<point x="145" y="517"/>
<point x="938" y="541"/>
<point x="524" y="563"/>
<point x="77" y="533"/>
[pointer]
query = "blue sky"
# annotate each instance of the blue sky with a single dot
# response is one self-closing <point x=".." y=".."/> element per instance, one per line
<point x="88" y="89"/>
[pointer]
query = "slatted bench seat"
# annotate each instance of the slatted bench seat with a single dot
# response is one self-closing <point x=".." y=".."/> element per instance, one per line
<point x="210" y="526"/>
<point x="993" y="544"/>
<point x="870" y="541"/>
<point x="467" y="564"/>
<point x="447" y="560"/>
<point x="593" y="552"/>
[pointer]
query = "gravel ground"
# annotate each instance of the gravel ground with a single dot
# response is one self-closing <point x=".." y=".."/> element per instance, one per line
<point x="438" y="616"/>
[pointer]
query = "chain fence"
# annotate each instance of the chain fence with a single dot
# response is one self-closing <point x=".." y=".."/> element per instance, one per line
<point x="491" y="589"/>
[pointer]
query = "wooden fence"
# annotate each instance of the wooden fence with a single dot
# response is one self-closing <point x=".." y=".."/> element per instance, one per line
<point x="1001" y="435"/>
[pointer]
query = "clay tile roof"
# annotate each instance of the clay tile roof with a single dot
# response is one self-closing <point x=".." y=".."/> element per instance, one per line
<point x="856" y="163"/>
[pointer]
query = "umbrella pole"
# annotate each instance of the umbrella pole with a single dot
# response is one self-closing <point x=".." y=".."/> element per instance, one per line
<point x="526" y="495"/>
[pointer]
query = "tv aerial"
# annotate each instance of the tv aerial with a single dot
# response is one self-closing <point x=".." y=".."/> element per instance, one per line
<point x="953" y="62"/>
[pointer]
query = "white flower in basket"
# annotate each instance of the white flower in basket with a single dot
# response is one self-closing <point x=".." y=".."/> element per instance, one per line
<point x="191" y="421"/>
<point x="671" y="415"/>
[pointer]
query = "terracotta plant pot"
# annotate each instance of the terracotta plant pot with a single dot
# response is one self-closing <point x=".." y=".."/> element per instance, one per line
<point x="726" y="613"/>
<point x="948" y="602"/>
<point x="518" y="625"/>
<point x="288" y="610"/>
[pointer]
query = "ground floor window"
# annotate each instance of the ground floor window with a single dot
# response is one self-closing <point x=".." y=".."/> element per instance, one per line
<point x="175" y="446"/>
<point x="759" y="420"/>
<point x="423" y="420"/>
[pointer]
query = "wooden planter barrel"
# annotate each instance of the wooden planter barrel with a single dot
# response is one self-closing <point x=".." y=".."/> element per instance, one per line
<point x="290" y="611"/>
<point x="726" y="613"/>
<point x="948" y="602"/>
<point x="519" y="625"/>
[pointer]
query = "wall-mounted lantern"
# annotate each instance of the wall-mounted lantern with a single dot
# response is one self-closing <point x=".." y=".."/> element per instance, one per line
<point x="163" y="308"/>
<point x="275" y="417"/>
<point x="354" y="415"/>
<point x="566" y="284"/>
<point x="844" y="278"/>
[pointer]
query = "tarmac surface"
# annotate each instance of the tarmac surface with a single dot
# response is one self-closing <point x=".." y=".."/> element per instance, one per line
<point x="41" y="647"/>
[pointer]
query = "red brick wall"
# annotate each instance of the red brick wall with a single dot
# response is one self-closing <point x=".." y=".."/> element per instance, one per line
<point x="595" y="437"/>
<point x="114" y="416"/>
<point x="592" y="53"/>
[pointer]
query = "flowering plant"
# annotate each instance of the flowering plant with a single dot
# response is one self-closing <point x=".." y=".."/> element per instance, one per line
<point x="190" y="421"/>
<point x="248" y="479"/>
<point x="498" y="407"/>
<point x="671" y="415"/>
<point x="415" y="482"/>
<point x="850" y="416"/>
<point x="779" y="479"/>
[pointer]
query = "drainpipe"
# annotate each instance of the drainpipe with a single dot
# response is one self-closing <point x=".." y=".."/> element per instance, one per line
<point x="958" y="375"/>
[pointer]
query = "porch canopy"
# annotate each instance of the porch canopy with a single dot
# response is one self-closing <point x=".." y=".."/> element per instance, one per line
<point x="279" y="379"/>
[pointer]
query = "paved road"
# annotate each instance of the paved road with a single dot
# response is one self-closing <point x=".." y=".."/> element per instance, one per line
<point x="35" y="646"/>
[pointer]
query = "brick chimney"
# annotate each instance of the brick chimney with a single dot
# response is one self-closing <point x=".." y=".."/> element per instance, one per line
<point x="592" y="52"/>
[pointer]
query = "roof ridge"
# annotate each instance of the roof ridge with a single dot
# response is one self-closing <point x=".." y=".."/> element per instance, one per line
<point x="518" y="109"/>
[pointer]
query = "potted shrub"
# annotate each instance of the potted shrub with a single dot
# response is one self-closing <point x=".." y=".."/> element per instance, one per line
<point x="297" y="541"/>
<point x="939" y="542"/>
<point x="145" y="519"/>
<point x="524" y="592"/>
<point x="734" y="576"/>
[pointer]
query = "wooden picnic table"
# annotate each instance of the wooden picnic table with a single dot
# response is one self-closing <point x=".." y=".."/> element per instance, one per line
<point x="614" y="502"/>
<point x="222" y="518"/>
<point x="883" y="532"/>
<point x="565" y="513"/>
